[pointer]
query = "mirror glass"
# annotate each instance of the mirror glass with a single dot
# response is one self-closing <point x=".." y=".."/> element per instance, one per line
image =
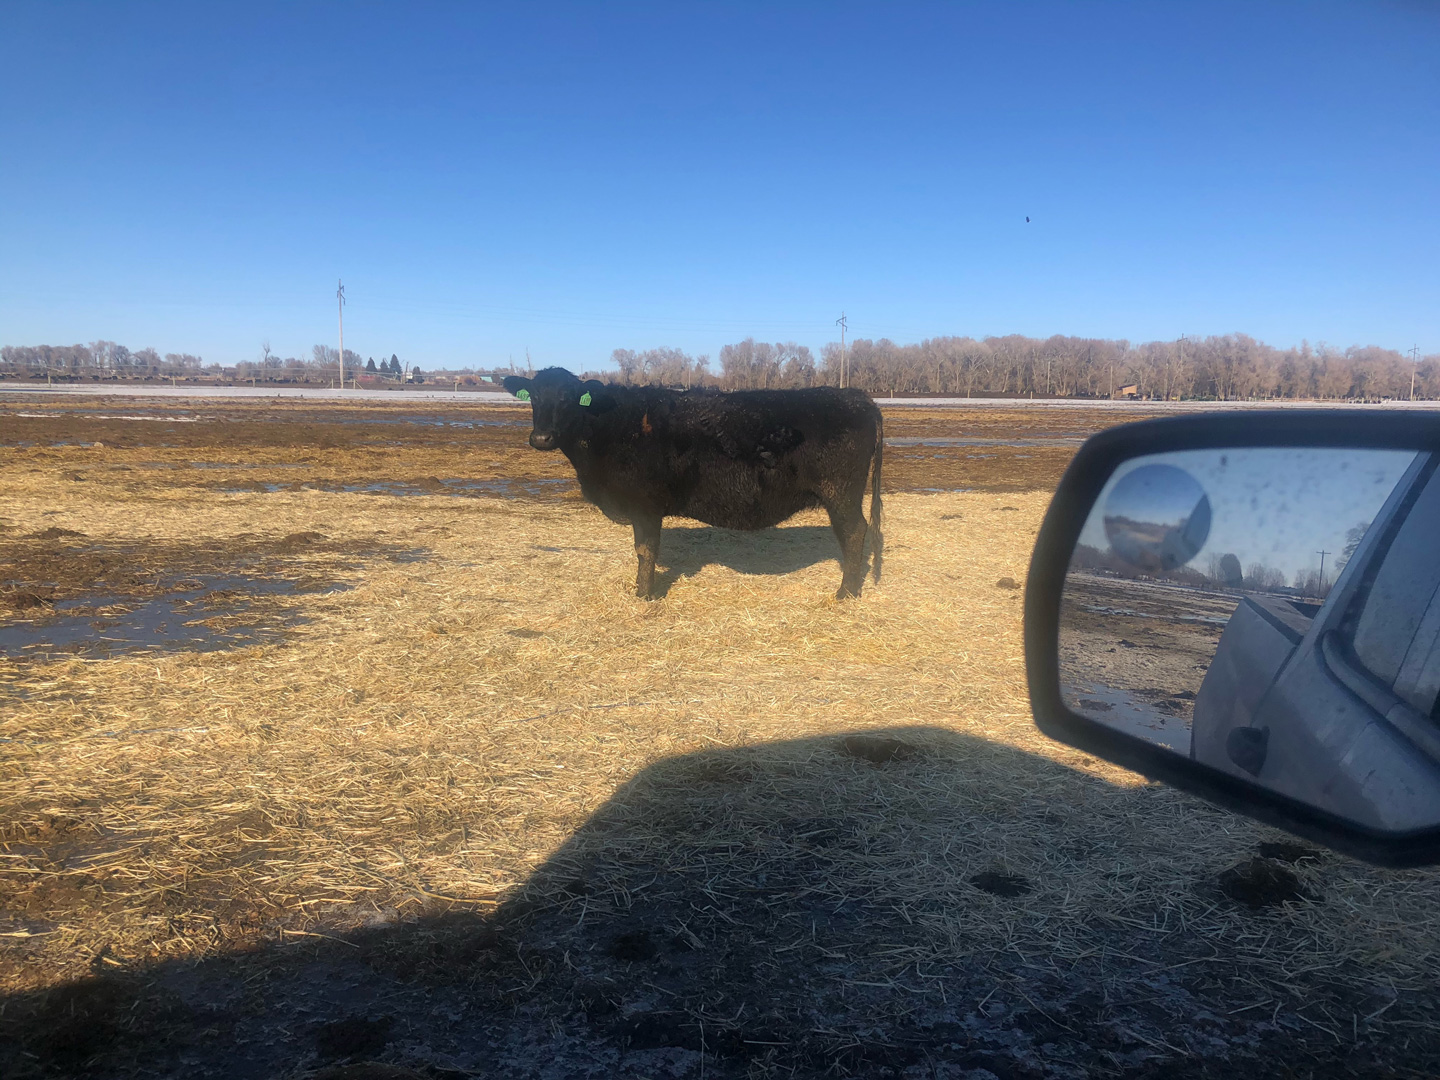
<point x="1274" y="613"/>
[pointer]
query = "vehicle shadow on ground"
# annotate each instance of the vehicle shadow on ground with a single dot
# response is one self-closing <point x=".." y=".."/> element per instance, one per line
<point x="686" y="550"/>
<point x="840" y="905"/>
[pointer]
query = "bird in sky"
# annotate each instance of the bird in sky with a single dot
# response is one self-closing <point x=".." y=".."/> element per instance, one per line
<point x="1027" y="219"/>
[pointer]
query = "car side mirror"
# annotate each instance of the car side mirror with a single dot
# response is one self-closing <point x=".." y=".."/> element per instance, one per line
<point x="1247" y="606"/>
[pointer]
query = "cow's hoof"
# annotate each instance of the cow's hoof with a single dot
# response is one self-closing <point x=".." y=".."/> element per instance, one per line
<point x="847" y="594"/>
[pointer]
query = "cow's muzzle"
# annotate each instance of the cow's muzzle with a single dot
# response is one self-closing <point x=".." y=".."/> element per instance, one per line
<point x="541" y="440"/>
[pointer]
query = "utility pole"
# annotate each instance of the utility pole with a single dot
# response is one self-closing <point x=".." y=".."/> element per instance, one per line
<point x="1414" y="363"/>
<point x="840" y="322"/>
<point x="1320" y="590"/>
<point x="1180" y="366"/>
<point x="340" y="303"/>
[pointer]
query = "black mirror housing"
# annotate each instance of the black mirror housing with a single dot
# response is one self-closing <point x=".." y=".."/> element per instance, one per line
<point x="1382" y="428"/>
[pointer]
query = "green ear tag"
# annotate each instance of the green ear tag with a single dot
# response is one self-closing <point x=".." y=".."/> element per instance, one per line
<point x="585" y="398"/>
<point x="523" y="395"/>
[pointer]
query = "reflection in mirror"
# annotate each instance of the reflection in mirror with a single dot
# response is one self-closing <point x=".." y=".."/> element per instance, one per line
<point x="1156" y="517"/>
<point x="1271" y="612"/>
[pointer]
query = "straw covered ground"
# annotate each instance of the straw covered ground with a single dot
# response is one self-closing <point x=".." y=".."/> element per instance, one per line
<point x="406" y="775"/>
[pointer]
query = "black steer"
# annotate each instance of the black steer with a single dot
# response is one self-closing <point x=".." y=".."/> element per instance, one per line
<point x="742" y="460"/>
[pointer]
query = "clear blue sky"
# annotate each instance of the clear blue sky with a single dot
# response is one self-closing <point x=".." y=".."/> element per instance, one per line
<point x="576" y="178"/>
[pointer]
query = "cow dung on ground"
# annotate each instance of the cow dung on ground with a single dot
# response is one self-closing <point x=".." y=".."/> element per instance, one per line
<point x="878" y="749"/>
<point x="636" y="945"/>
<point x="354" y="1036"/>
<point x="1260" y="883"/>
<point x="299" y="540"/>
<point x="998" y="883"/>
<point x="1281" y="851"/>
<point x="368" y="1070"/>
<point x="1006" y="583"/>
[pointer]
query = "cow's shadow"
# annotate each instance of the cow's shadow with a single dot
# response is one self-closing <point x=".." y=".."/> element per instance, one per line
<point x="685" y="550"/>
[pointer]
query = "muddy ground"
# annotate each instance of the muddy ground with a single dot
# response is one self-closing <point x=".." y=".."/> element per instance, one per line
<point x="468" y="449"/>
<point x="333" y="736"/>
<point x="1133" y="653"/>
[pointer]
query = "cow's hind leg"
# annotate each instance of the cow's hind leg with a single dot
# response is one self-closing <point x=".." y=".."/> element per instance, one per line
<point x="647" y="550"/>
<point x="849" y="524"/>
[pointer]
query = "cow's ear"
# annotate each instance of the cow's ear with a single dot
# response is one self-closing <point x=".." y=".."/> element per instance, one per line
<point x="519" y="386"/>
<point x="601" y="400"/>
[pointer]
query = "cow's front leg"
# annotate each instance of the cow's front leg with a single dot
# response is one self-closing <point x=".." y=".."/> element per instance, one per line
<point x="647" y="550"/>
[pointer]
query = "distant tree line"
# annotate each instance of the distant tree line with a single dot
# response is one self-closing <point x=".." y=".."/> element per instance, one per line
<point x="746" y="365"/>
<point x="97" y="358"/>
<point x="1225" y="367"/>
<point x="663" y="367"/>
<point x="106" y="359"/>
<point x="1224" y="569"/>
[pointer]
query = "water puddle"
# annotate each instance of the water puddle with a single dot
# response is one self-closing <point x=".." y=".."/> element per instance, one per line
<point x="241" y="465"/>
<point x="453" y="487"/>
<point x="202" y="614"/>
<point x="95" y="414"/>
<point x="1117" y="709"/>
<point x="1168" y="616"/>
<point x="429" y="421"/>
<point x="456" y="486"/>
<point x="925" y="440"/>
<point x="155" y="419"/>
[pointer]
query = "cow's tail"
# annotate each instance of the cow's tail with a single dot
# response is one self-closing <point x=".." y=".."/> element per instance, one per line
<point x="877" y="508"/>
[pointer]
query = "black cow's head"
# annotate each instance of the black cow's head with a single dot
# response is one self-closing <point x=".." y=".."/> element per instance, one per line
<point x="562" y="407"/>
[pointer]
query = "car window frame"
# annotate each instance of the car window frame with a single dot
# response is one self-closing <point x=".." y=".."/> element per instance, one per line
<point x="1420" y="486"/>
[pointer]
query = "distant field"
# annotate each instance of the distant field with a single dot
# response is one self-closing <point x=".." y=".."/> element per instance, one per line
<point x="333" y="733"/>
<point x="437" y="390"/>
<point x="421" y="446"/>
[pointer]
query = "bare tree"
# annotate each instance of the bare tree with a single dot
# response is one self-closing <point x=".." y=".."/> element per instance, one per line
<point x="1215" y="367"/>
<point x="1263" y="578"/>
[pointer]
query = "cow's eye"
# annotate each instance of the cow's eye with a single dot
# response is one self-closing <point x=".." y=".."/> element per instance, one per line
<point x="585" y="398"/>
